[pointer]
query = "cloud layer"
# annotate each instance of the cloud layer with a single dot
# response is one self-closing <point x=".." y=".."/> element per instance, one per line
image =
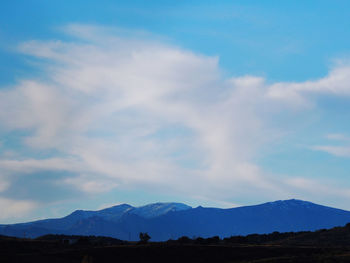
<point x="125" y="112"/>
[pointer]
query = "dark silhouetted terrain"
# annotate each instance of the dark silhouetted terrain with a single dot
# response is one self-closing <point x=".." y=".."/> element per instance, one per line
<point x="321" y="246"/>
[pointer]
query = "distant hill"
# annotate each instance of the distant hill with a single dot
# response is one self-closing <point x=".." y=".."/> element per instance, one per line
<point x="165" y="221"/>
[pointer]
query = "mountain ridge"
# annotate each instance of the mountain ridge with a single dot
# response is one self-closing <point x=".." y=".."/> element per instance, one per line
<point x="171" y="220"/>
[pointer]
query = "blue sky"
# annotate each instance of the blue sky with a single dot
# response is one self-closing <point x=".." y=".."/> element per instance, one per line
<point x="216" y="104"/>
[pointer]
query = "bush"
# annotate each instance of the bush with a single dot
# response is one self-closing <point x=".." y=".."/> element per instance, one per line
<point x="144" y="237"/>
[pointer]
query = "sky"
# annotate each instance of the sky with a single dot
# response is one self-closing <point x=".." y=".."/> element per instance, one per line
<point x="212" y="103"/>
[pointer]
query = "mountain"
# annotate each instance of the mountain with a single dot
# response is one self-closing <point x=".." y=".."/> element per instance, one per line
<point x="158" y="209"/>
<point x="165" y="221"/>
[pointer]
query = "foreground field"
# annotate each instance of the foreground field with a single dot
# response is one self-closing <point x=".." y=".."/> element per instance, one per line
<point x="38" y="251"/>
<point x="332" y="245"/>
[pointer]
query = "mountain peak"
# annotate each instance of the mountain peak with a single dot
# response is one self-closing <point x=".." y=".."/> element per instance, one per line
<point x="291" y="202"/>
<point x="157" y="209"/>
<point x="167" y="204"/>
<point x="120" y="206"/>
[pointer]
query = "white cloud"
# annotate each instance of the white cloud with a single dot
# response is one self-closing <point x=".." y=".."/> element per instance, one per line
<point x="130" y="112"/>
<point x="338" y="137"/>
<point x="341" y="151"/>
<point x="336" y="150"/>
<point x="298" y="93"/>
<point x="306" y="186"/>
<point x="15" y="209"/>
<point x="32" y="165"/>
<point x="89" y="185"/>
<point x="4" y="185"/>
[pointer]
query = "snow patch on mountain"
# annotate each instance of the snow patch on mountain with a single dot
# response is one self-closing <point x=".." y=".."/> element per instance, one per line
<point x="157" y="209"/>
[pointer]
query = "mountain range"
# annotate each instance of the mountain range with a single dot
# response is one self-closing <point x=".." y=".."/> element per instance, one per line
<point x="165" y="221"/>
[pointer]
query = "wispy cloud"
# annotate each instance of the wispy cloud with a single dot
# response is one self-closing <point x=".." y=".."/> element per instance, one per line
<point x="13" y="209"/>
<point x="338" y="137"/>
<point x="337" y="83"/>
<point x="341" y="151"/>
<point x="124" y="111"/>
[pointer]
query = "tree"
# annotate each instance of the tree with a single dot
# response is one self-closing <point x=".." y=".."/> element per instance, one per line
<point x="144" y="237"/>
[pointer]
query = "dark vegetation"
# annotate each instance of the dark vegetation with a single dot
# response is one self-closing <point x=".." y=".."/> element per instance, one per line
<point x="144" y="238"/>
<point x="331" y="245"/>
